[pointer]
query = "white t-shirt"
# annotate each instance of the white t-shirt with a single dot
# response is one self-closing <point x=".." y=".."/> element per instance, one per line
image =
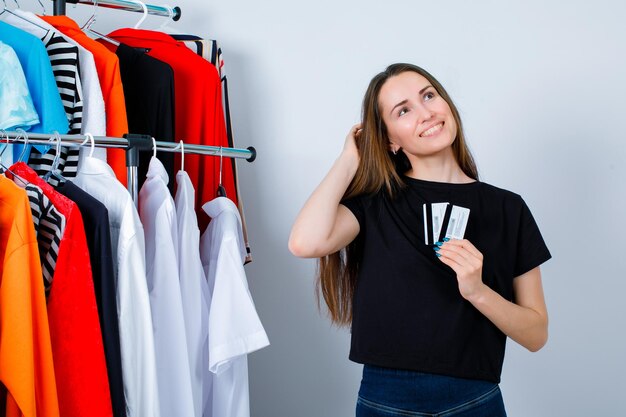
<point x="158" y="215"/>
<point x="133" y="303"/>
<point x="234" y="325"/>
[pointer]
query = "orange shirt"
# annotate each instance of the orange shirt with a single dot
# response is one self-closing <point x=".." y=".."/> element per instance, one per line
<point x="108" y="67"/>
<point x="26" y="367"/>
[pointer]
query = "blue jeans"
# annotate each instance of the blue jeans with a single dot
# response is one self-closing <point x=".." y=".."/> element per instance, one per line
<point x="392" y="392"/>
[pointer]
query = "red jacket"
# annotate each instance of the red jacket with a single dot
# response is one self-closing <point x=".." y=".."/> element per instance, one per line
<point x="77" y="349"/>
<point x="199" y="116"/>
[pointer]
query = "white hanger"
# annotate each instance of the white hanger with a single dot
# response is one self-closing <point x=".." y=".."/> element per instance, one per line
<point x="154" y="148"/>
<point x="89" y="137"/>
<point x="181" y="146"/>
<point x="145" y="12"/>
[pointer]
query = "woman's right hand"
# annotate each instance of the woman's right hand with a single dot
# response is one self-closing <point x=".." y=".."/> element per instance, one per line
<point x="350" y="146"/>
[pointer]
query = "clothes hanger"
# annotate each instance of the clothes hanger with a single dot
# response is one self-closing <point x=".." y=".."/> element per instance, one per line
<point x="24" y="135"/>
<point x="145" y="13"/>
<point x="164" y="27"/>
<point x="221" y="191"/>
<point x="181" y="146"/>
<point x="89" y="23"/>
<point x="7" y="10"/>
<point x="89" y="137"/>
<point x="54" y="170"/>
<point x="6" y="169"/>
<point x="154" y="147"/>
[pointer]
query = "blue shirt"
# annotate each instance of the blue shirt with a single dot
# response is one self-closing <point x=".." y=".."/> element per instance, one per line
<point x="18" y="109"/>
<point x="43" y="89"/>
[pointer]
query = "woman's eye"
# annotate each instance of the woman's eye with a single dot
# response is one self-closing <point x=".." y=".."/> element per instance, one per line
<point x="402" y="111"/>
<point x="429" y="96"/>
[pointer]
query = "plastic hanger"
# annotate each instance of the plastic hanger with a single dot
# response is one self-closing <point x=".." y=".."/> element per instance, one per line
<point x="54" y="170"/>
<point x="3" y="167"/>
<point x="221" y="191"/>
<point x="87" y="26"/>
<point x="4" y="134"/>
<point x="89" y="137"/>
<point x="154" y="147"/>
<point x="22" y="134"/>
<point x="164" y="27"/>
<point x="145" y="13"/>
<point x="181" y="146"/>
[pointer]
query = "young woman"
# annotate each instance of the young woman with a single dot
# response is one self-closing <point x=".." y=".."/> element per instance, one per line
<point x="429" y="320"/>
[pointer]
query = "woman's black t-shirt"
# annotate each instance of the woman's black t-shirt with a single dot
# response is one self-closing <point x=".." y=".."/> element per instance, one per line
<point x="408" y="312"/>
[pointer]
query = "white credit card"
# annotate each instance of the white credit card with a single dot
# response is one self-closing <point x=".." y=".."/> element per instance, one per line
<point x="457" y="223"/>
<point x="425" y="224"/>
<point x="439" y="213"/>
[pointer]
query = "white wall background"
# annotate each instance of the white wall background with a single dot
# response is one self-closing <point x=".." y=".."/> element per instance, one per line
<point x="540" y="87"/>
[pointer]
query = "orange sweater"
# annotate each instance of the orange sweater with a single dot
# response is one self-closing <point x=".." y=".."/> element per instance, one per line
<point x="26" y="367"/>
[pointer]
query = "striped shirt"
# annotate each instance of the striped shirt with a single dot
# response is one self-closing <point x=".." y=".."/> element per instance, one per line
<point x="49" y="226"/>
<point x="65" y="67"/>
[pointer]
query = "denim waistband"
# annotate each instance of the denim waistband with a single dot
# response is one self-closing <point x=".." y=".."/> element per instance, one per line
<point x="417" y="390"/>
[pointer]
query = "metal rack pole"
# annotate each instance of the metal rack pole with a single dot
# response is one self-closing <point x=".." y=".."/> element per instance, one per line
<point x="172" y="12"/>
<point x="132" y="144"/>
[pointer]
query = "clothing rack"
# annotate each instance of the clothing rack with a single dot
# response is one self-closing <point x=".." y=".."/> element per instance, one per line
<point x="132" y="144"/>
<point x="128" y="5"/>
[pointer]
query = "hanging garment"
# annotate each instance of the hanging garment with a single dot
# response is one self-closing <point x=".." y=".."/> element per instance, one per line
<point x="26" y="367"/>
<point x="194" y="290"/>
<point x="40" y="79"/>
<point x="149" y="94"/>
<point x="64" y="59"/>
<point x="210" y="51"/>
<point x="97" y="230"/>
<point x="49" y="229"/>
<point x="234" y="325"/>
<point x="14" y="90"/>
<point x="199" y="114"/>
<point x="79" y="363"/>
<point x="93" y="120"/>
<point x="158" y="216"/>
<point x="108" y="69"/>
<point x="133" y="303"/>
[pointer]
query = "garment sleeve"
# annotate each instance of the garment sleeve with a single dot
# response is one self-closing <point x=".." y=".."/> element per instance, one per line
<point x="531" y="248"/>
<point x="356" y="206"/>
<point x="242" y="332"/>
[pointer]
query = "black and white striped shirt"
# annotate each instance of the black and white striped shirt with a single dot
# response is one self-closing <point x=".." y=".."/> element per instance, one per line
<point x="49" y="226"/>
<point x="65" y="67"/>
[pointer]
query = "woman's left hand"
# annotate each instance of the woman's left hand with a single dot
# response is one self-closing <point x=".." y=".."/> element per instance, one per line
<point x="467" y="262"/>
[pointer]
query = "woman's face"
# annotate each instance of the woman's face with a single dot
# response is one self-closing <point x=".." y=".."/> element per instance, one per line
<point x="417" y="118"/>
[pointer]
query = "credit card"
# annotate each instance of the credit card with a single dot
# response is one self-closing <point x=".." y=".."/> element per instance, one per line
<point x="457" y="223"/>
<point x="439" y="214"/>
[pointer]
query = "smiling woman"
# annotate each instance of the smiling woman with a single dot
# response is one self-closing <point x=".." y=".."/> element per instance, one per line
<point x="430" y="303"/>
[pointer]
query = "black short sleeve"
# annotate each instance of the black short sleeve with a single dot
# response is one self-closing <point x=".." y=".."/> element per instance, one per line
<point x="355" y="205"/>
<point x="531" y="248"/>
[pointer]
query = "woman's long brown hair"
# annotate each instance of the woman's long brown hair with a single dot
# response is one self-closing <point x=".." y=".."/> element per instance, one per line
<point x="378" y="169"/>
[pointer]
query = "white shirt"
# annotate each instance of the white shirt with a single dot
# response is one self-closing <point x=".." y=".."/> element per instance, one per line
<point x="194" y="289"/>
<point x="94" y="118"/>
<point x="234" y="326"/>
<point x="158" y="215"/>
<point x="133" y="303"/>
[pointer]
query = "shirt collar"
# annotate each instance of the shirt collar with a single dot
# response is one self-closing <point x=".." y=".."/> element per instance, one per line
<point x="62" y="22"/>
<point x="143" y="34"/>
<point x="219" y="204"/>
<point x="94" y="166"/>
<point x="156" y="169"/>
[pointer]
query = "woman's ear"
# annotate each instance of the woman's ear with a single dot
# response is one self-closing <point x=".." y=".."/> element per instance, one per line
<point x="393" y="148"/>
